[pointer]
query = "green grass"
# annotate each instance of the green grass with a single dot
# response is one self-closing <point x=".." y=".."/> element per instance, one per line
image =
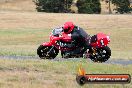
<point x="24" y="42"/>
<point x="23" y="36"/>
<point x="54" y="74"/>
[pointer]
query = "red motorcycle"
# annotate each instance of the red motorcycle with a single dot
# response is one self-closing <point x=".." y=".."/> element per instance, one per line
<point x="97" y="52"/>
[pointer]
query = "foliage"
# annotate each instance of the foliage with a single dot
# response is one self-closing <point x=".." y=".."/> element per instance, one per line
<point x="53" y="5"/>
<point x="123" y="6"/>
<point x="89" y="6"/>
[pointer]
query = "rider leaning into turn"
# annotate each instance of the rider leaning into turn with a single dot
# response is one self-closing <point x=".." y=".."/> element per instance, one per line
<point x="79" y="37"/>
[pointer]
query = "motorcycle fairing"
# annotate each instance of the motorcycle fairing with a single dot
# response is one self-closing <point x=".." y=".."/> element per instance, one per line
<point x="102" y="40"/>
<point x="66" y="37"/>
<point x="47" y="44"/>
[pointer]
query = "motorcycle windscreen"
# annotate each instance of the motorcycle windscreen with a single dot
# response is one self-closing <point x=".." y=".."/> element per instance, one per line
<point x="57" y="31"/>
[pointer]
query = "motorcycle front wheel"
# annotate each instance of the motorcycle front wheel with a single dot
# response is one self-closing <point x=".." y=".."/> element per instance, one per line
<point x="102" y="54"/>
<point x="43" y="52"/>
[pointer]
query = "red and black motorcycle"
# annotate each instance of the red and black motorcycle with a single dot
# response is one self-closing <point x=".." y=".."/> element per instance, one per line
<point x="98" y="51"/>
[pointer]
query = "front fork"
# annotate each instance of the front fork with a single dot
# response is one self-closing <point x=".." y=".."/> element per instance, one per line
<point x="50" y="50"/>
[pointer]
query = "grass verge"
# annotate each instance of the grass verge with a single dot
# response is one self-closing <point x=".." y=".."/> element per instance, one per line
<point x="54" y="74"/>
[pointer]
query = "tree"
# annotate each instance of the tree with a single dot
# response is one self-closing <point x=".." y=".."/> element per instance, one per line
<point x="89" y="6"/>
<point x="53" y="5"/>
<point x="123" y="6"/>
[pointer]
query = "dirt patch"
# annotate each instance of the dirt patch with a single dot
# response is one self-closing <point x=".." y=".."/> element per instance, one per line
<point x="14" y="19"/>
<point x="17" y="5"/>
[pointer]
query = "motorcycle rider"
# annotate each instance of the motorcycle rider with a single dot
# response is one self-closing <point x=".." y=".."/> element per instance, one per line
<point x="79" y="37"/>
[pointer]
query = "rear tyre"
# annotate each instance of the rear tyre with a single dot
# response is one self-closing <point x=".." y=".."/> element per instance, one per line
<point x="103" y="54"/>
<point x="42" y="52"/>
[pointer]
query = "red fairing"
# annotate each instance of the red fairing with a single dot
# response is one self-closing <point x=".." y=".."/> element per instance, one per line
<point x="53" y="39"/>
<point x="46" y="44"/>
<point x="66" y="37"/>
<point x="102" y="40"/>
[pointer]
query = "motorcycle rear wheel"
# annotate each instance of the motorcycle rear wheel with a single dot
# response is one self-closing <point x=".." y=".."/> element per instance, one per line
<point x="42" y="52"/>
<point x="104" y="54"/>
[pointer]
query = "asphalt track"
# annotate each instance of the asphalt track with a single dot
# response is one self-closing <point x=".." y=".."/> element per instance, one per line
<point x="110" y="61"/>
